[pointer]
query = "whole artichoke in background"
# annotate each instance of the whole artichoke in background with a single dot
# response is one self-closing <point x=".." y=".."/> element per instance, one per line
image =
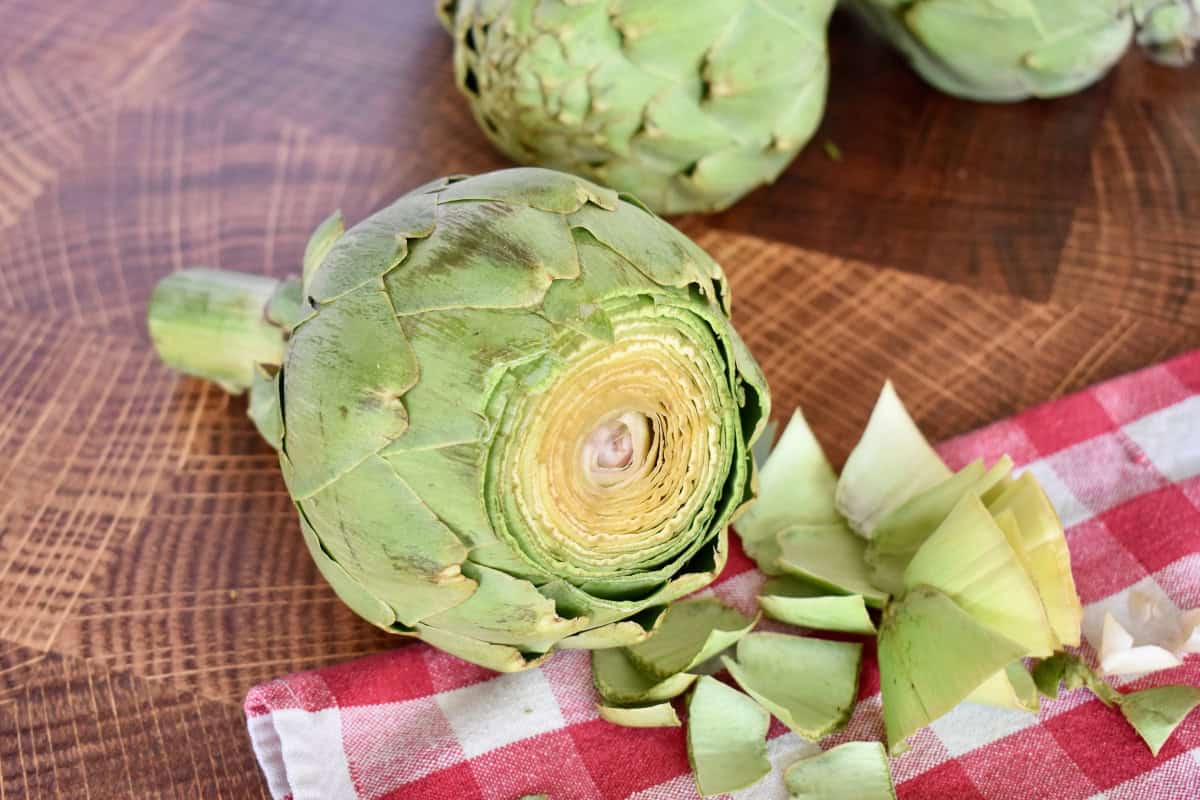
<point x="511" y="409"/>
<point x="689" y="103"/>
<point x="1003" y="50"/>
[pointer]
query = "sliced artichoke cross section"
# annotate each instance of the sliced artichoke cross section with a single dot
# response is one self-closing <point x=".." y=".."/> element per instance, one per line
<point x="511" y="409"/>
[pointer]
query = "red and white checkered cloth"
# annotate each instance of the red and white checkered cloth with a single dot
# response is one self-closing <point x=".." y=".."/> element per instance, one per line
<point x="1121" y="462"/>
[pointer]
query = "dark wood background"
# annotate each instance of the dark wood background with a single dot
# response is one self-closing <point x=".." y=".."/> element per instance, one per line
<point x="984" y="257"/>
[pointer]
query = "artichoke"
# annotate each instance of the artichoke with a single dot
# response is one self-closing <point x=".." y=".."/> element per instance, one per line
<point x="1002" y="50"/>
<point x="511" y="409"/>
<point x="690" y="103"/>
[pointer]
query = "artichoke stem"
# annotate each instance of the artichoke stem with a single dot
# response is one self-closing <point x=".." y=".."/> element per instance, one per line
<point x="219" y="325"/>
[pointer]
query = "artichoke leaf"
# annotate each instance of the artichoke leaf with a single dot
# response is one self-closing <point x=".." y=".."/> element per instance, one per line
<point x="1047" y="557"/>
<point x="1155" y="713"/>
<point x="498" y="657"/>
<point x="726" y="738"/>
<point x="854" y="769"/>
<point x="920" y="678"/>
<point x="799" y="602"/>
<point x="809" y="684"/>
<point x="691" y="632"/>
<point x="1012" y="687"/>
<point x="541" y="189"/>
<point x="831" y="557"/>
<point x="795" y="487"/>
<point x="659" y="715"/>
<point x="621" y="683"/>
<point x="992" y="585"/>
<point x="319" y="245"/>
<point x="891" y="463"/>
<point x="263" y="408"/>
<point x="902" y="532"/>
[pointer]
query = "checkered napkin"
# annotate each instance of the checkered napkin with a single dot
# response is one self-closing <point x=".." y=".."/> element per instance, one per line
<point x="1121" y="462"/>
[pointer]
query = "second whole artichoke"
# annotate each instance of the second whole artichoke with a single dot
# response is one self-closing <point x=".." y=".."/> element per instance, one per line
<point x="689" y="103"/>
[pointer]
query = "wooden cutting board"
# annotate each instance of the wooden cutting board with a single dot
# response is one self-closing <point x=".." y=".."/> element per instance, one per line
<point x="984" y="257"/>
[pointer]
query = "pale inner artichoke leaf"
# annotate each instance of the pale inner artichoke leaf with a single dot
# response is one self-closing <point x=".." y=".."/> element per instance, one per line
<point x="726" y="738"/>
<point x="354" y="350"/>
<point x="809" y="684"/>
<point x="1011" y="687"/>
<point x="932" y="656"/>
<point x="969" y="559"/>
<point x="798" y="602"/>
<point x="507" y="610"/>
<point x="900" y="534"/>
<point x="831" y="557"/>
<point x="1046" y="553"/>
<point x="1155" y="713"/>
<point x="504" y="256"/>
<point x="692" y="631"/>
<point x="891" y="463"/>
<point x="659" y="715"/>
<point x="858" y="770"/>
<point x="795" y="487"/>
<point x="621" y="683"/>
<point x="499" y="657"/>
<point x="407" y="558"/>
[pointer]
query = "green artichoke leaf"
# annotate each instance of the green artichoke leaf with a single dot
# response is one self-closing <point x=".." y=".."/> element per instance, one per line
<point x="347" y="588"/>
<point x="795" y="487"/>
<point x="726" y="738"/>
<point x="992" y="585"/>
<point x="891" y="463"/>
<point x="901" y="533"/>
<point x="621" y="683"/>
<point x="831" y="557"/>
<point x="691" y="632"/>
<point x="809" y="684"/>
<point x="613" y="635"/>
<point x="504" y="255"/>
<point x="854" y="769"/>
<point x="1013" y="687"/>
<point x="670" y="37"/>
<point x="920" y="678"/>
<point x="798" y="602"/>
<point x="367" y="251"/>
<point x="319" y="245"/>
<point x="541" y="189"/>
<point x="263" y="408"/>
<point x="498" y="657"/>
<point x="659" y="715"/>
<point x="360" y="408"/>
<point x="1070" y="670"/>
<point x="507" y="610"/>
<point x="417" y="576"/>
<point x="1155" y="713"/>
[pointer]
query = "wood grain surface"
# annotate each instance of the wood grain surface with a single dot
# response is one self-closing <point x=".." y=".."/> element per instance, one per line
<point x="985" y="258"/>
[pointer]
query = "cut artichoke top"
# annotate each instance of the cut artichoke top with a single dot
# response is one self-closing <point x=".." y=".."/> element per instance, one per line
<point x="690" y="103"/>
<point x="512" y="413"/>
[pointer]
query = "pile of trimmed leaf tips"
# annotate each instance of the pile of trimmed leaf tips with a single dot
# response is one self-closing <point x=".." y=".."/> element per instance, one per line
<point x="967" y="573"/>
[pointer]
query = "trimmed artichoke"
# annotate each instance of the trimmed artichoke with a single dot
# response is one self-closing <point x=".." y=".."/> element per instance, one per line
<point x="1003" y="50"/>
<point x="511" y="409"/>
<point x="690" y="103"/>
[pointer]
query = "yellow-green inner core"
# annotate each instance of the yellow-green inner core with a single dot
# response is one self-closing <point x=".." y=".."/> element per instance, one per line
<point x="628" y="448"/>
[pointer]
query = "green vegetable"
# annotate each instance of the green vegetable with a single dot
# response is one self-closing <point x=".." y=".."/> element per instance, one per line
<point x="726" y="738"/>
<point x="691" y="632"/>
<point x="1168" y="29"/>
<point x="810" y="685"/>
<point x="511" y="411"/>
<point x="856" y="770"/>
<point x="659" y="715"/>
<point x="831" y="557"/>
<point x="1001" y="50"/>
<point x="1156" y="713"/>
<point x="690" y="103"/>
<point x="1012" y="687"/>
<point x="798" y="602"/>
<point x="621" y="683"/>
<point x="921" y="675"/>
